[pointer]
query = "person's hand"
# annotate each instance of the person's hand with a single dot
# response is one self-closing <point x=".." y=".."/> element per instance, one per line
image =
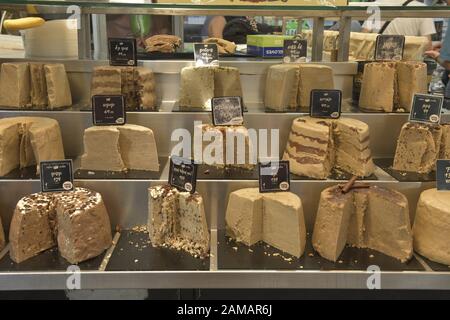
<point x="433" y="54"/>
<point x="140" y="42"/>
<point x="437" y="47"/>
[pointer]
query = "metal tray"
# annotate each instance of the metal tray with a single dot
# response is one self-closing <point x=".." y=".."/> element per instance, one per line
<point x="27" y="173"/>
<point x="208" y="172"/>
<point x="386" y="165"/>
<point x="134" y="252"/>
<point x="49" y="260"/>
<point x="335" y="175"/>
<point x="234" y="255"/>
<point x="127" y="175"/>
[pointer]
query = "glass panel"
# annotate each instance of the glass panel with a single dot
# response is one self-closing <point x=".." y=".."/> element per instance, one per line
<point x="147" y="4"/>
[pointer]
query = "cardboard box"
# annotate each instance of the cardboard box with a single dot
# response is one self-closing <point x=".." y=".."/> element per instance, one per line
<point x="266" y="46"/>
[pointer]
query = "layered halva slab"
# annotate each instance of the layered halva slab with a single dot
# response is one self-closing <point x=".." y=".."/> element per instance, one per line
<point x="432" y="226"/>
<point x="177" y="220"/>
<point x="200" y="84"/>
<point x="15" y="85"/>
<point x="118" y="148"/>
<point x="418" y="147"/>
<point x="352" y="147"/>
<point x="136" y="84"/>
<point x="58" y="88"/>
<point x="362" y="46"/>
<point x="274" y="218"/>
<point x="316" y="146"/>
<point x="289" y="85"/>
<point x="387" y="86"/>
<point x="373" y="217"/>
<point x="25" y="141"/>
<point x="281" y="92"/>
<point x="38" y="93"/>
<point x="411" y="79"/>
<point x="34" y="85"/>
<point x="75" y="221"/>
<point x="224" y="146"/>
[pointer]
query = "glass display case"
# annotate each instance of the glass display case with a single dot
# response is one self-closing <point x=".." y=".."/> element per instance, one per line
<point x="131" y="261"/>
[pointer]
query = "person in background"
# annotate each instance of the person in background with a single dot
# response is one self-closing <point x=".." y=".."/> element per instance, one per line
<point x="214" y="26"/>
<point x="355" y="26"/>
<point x="441" y="54"/>
<point x="420" y="27"/>
<point x="138" y="26"/>
<point x="235" y="29"/>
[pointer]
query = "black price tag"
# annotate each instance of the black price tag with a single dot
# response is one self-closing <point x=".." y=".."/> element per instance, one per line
<point x="389" y="47"/>
<point x="108" y="110"/>
<point x="325" y="103"/>
<point x="426" y="108"/>
<point x="274" y="176"/>
<point x="183" y="174"/>
<point x="227" y="111"/>
<point x="206" y="54"/>
<point x="122" y="52"/>
<point x="294" y="51"/>
<point x="443" y="174"/>
<point x="56" y="175"/>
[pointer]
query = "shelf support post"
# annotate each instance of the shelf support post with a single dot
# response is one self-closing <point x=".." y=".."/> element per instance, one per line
<point x="178" y="27"/>
<point x="317" y="38"/>
<point x="345" y="28"/>
<point x="299" y="25"/>
<point x="100" y="36"/>
<point x="84" y="37"/>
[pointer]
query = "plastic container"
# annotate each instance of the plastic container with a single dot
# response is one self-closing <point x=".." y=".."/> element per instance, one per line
<point x="56" y="39"/>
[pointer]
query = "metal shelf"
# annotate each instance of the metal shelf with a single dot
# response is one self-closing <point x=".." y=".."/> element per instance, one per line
<point x="164" y="123"/>
<point x="271" y="279"/>
<point x="55" y="7"/>
<point x="319" y="13"/>
<point x="225" y="279"/>
<point x="114" y="7"/>
<point x="126" y="201"/>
